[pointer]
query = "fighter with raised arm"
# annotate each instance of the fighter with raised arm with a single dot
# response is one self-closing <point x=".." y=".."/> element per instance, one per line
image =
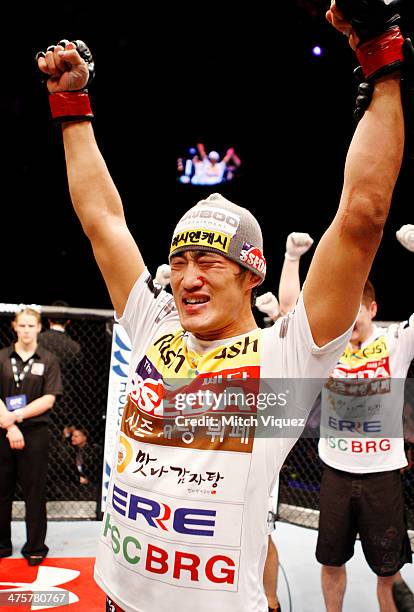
<point x="186" y="520"/>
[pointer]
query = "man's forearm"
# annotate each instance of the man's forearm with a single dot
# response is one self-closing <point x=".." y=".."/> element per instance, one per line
<point x="93" y="193"/>
<point x="37" y="406"/>
<point x="289" y="285"/>
<point x="374" y="157"/>
<point x="344" y="255"/>
<point x="4" y="411"/>
<point x="34" y="408"/>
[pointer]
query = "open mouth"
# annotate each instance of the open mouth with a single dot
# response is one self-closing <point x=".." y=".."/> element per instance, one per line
<point x="194" y="304"/>
<point x="193" y="301"/>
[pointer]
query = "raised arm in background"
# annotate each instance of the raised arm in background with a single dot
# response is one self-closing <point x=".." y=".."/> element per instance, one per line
<point x="297" y="244"/>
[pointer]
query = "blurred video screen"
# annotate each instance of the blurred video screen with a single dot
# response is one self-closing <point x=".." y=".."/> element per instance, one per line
<point x="200" y="165"/>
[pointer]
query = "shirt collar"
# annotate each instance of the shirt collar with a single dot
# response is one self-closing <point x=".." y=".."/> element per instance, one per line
<point x="38" y="352"/>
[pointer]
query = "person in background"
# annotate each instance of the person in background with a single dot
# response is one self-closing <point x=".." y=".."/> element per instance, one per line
<point x="297" y="244"/>
<point x="29" y="383"/>
<point x="69" y="407"/>
<point x="403" y="596"/>
<point x="163" y="275"/>
<point x="57" y="340"/>
<point x="209" y="169"/>
<point x="85" y="456"/>
<point x="67" y="433"/>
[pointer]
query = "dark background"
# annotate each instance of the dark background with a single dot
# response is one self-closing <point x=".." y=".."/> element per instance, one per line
<point x="167" y="78"/>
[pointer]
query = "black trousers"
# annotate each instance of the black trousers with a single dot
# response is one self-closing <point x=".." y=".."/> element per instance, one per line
<point x="29" y="468"/>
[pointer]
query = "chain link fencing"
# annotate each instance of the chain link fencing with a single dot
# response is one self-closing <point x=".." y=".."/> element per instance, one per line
<point x="83" y="351"/>
<point x="85" y="366"/>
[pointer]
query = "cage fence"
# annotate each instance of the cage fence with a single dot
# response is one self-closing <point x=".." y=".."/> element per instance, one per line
<point x="84" y="362"/>
<point x="83" y="351"/>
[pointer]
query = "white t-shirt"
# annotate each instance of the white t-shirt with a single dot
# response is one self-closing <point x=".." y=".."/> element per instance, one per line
<point x="186" y="521"/>
<point x="361" y="419"/>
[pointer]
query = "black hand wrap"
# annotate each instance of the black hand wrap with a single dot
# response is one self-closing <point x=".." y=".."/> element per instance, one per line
<point x="376" y="23"/>
<point x="365" y="93"/>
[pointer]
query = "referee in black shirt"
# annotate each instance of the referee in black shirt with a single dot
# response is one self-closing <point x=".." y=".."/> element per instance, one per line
<point x="29" y="383"/>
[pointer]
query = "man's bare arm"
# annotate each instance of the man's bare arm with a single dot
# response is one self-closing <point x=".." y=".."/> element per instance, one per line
<point x="34" y="408"/>
<point x="289" y="286"/>
<point x="99" y="208"/>
<point x="94" y="195"/>
<point x="343" y="258"/>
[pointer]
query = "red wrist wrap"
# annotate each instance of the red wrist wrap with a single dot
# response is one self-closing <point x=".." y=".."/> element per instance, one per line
<point x="376" y="55"/>
<point x="70" y="106"/>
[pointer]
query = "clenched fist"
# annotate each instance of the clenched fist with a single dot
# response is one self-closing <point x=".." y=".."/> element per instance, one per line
<point x="297" y="244"/>
<point x="337" y="20"/>
<point x="69" y="66"/>
<point x="405" y="236"/>
<point x="163" y="275"/>
<point x="268" y="304"/>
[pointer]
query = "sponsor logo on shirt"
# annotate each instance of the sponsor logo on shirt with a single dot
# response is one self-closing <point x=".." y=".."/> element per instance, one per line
<point x="372" y="361"/>
<point x="147" y="511"/>
<point x="125" y="454"/>
<point x="355" y="395"/>
<point x="354" y="426"/>
<point x="171" y="562"/>
<point x="349" y="445"/>
<point x="149" y="467"/>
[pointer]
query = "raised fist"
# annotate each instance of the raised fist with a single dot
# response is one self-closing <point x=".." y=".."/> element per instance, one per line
<point x="268" y="304"/>
<point x="369" y="18"/>
<point x="69" y="66"/>
<point x="405" y="236"/>
<point x="338" y="21"/>
<point x="163" y="275"/>
<point x="297" y="244"/>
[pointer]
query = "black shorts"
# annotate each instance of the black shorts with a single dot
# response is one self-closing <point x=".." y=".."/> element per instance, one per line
<point x="371" y="505"/>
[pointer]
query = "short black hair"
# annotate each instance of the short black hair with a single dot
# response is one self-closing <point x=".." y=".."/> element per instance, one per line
<point x="59" y="319"/>
<point x="253" y="295"/>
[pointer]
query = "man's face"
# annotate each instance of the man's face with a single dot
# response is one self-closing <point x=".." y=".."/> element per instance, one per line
<point x="211" y="296"/>
<point x="78" y="438"/>
<point x="27" y="328"/>
<point x="363" y="326"/>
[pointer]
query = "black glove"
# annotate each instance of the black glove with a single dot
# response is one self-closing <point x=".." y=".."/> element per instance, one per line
<point x="375" y="22"/>
<point x="365" y="93"/>
<point x="86" y="55"/>
<point x="370" y="18"/>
